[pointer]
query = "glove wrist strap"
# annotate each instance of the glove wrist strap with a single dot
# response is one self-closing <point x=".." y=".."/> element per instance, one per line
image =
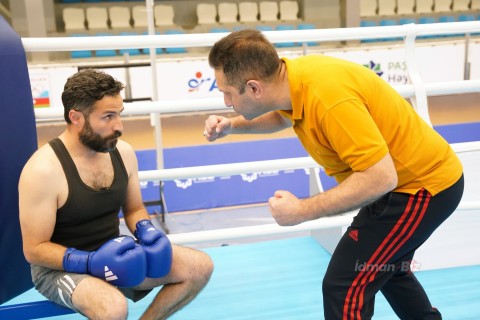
<point x="75" y="261"/>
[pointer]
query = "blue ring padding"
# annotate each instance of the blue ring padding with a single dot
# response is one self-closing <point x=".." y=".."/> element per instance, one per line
<point x="18" y="140"/>
<point x="33" y="310"/>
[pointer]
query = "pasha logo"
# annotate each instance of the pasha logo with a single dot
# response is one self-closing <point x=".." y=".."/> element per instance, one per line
<point x="396" y="73"/>
<point x="250" y="177"/>
<point x="375" y="67"/>
<point x="184" y="184"/>
<point x="201" y="83"/>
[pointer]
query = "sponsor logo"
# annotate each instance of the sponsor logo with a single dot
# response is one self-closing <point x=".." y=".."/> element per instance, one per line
<point x="119" y="239"/>
<point x="353" y="234"/>
<point x="109" y="275"/>
<point x="250" y="177"/>
<point x="375" y="67"/>
<point x="199" y="81"/>
<point x="184" y="184"/>
<point x="396" y="71"/>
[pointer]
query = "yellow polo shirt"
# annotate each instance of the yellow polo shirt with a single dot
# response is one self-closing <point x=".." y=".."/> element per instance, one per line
<point x="348" y="118"/>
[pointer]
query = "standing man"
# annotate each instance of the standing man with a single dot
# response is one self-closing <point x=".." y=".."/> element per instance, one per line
<point x="71" y="191"/>
<point x="404" y="177"/>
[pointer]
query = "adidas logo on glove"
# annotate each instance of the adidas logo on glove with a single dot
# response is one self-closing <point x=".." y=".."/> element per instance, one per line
<point x="109" y="275"/>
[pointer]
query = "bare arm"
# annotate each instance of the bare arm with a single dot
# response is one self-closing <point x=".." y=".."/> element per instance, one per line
<point x="357" y="190"/>
<point x="133" y="209"/>
<point x="38" y="188"/>
<point x="217" y="127"/>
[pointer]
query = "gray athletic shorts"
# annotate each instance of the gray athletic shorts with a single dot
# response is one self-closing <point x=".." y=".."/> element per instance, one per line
<point x="58" y="286"/>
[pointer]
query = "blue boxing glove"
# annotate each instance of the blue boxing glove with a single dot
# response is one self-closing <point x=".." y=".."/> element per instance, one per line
<point x="119" y="261"/>
<point x="157" y="248"/>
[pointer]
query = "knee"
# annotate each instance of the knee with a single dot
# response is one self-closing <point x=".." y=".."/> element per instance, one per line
<point x="120" y="311"/>
<point x="114" y="307"/>
<point x="191" y="265"/>
<point x="330" y="284"/>
<point x="204" y="267"/>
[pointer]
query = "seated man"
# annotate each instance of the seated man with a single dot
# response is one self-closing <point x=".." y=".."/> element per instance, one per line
<point x="71" y="191"/>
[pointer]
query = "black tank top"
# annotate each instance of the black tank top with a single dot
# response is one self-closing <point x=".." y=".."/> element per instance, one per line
<point x="89" y="217"/>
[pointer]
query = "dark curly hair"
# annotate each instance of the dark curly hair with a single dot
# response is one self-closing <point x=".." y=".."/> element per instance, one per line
<point x="244" y="55"/>
<point x="83" y="89"/>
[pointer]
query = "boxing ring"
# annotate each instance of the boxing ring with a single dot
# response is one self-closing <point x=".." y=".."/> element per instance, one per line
<point x="281" y="278"/>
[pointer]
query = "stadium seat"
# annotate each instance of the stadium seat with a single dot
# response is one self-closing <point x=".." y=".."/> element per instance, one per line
<point x="218" y="30"/>
<point x="407" y="21"/>
<point x="177" y="49"/>
<point x="130" y="51"/>
<point x="119" y="17"/>
<point x="366" y="24"/>
<point x="97" y="18"/>
<point x="368" y="8"/>
<point x="387" y="7"/>
<point x="74" y="19"/>
<point x="80" y="53"/>
<point x="268" y="11"/>
<point x="388" y="22"/>
<point x="282" y="27"/>
<point x="206" y="13"/>
<point x="443" y="19"/>
<point x="427" y="20"/>
<point x="164" y="15"/>
<point x="264" y="28"/>
<point x="466" y="17"/>
<point x="248" y="12"/>
<point x="460" y="5"/>
<point x="139" y="16"/>
<point x="157" y="50"/>
<point x="442" y="6"/>
<point x="227" y="12"/>
<point x="406" y="7"/>
<point x="288" y="10"/>
<point x="105" y="52"/>
<point x="307" y="26"/>
<point x="424" y="6"/>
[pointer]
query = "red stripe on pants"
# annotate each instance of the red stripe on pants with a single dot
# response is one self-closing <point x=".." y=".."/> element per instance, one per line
<point x="357" y="288"/>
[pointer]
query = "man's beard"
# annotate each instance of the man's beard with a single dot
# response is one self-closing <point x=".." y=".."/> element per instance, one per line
<point x="95" y="142"/>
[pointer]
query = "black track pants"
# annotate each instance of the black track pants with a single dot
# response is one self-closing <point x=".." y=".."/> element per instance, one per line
<point x="376" y="251"/>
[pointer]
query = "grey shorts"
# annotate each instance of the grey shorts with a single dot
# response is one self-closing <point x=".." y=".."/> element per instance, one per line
<point x="58" y="286"/>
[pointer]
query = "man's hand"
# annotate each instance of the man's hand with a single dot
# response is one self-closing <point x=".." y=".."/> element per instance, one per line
<point x="286" y="208"/>
<point x="217" y="127"/>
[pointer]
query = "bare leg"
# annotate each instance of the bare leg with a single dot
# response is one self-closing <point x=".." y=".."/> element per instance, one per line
<point x="191" y="271"/>
<point x="96" y="299"/>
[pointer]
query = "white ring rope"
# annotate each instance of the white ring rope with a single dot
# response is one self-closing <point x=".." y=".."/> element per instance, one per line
<point x="259" y="230"/>
<point x="210" y="104"/>
<point x="222" y="170"/>
<point x="257" y="166"/>
<point x="207" y="39"/>
<point x="274" y="229"/>
<point x="177" y="106"/>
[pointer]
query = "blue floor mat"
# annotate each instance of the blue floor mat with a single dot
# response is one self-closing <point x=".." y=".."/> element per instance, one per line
<point x="282" y="279"/>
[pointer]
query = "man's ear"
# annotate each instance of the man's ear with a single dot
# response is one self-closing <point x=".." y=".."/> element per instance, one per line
<point x="255" y="87"/>
<point x="76" y="117"/>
